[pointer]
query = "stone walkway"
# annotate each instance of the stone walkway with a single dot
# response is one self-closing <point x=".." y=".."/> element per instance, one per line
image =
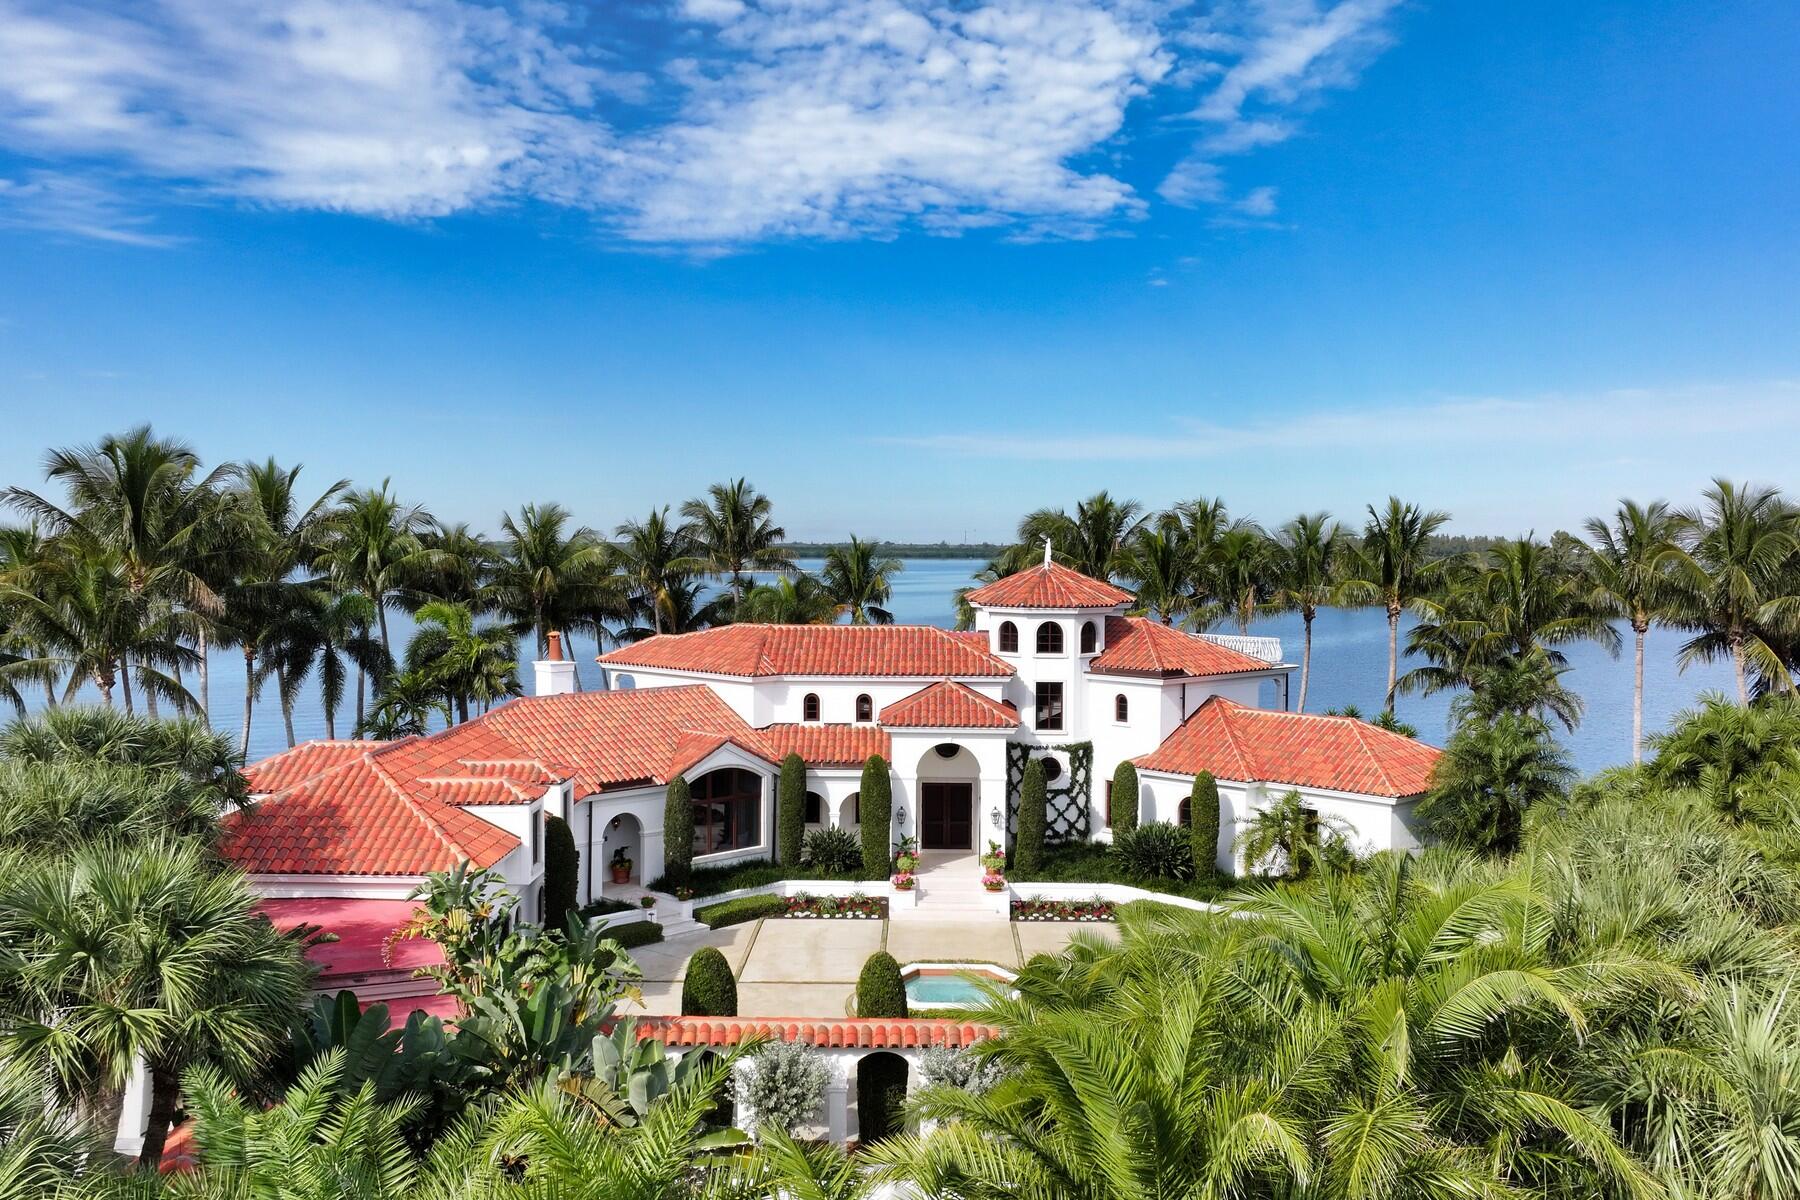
<point x="808" y="968"/>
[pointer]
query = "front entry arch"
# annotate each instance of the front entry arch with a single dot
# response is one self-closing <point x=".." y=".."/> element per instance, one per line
<point x="946" y="816"/>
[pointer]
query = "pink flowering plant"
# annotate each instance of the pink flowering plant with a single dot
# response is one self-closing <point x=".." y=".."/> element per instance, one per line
<point x="1063" y="910"/>
<point x="905" y="881"/>
<point x="993" y="881"/>
<point x="995" y="859"/>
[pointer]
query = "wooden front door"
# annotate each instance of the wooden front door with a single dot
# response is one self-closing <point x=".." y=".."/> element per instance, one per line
<point x="946" y="816"/>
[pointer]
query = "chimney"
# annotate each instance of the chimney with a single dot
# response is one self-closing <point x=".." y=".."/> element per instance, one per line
<point x="554" y="674"/>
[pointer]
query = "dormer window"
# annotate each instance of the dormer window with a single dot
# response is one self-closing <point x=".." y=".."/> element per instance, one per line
<point x="865" y="708"/>
<point x="1090" y="637"/>
<point x="809" y="707"/>
<point x="1009" y="638"/>
<point x="1049" y="638"/>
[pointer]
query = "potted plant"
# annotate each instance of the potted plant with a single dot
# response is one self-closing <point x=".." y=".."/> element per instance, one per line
<point x="646" y="902"/>
<point x="905" y="881"/>
<point x="906" y="856"/>
<point x="993" y="881"/>
<point x="995" y="859"/>
<point x="620" y="866"/>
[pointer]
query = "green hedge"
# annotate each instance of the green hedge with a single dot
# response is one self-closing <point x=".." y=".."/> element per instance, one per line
<point x="638" y="933"/>
<point x="708" y="990"/>
<point x="562" y="872"/>
<point x="736" y="912"/>
<point x="1094" y="862"/>
<point x="1028" y="850"/>
<point x="755" y="872"/>
<point x="880" y="992"/>
<point x="876" y="814"/>
<point x="1203" y="818"/>
<point x="1124" y="799"/>
<point x="678" y="831"/>
<point x="790" y="810"/>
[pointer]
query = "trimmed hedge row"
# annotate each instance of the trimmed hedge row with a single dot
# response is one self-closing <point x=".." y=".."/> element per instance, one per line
<point x="638" y="933"/>
<point x="736" y="912"/>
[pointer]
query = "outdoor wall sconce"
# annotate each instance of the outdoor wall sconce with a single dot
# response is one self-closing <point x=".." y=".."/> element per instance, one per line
<point x="613" y="827"/>
<point x="994" y="815"/>
<point x="900" y="815"/>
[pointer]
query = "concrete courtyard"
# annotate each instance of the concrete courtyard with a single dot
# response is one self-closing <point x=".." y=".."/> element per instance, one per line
<point x="808" y="968"/>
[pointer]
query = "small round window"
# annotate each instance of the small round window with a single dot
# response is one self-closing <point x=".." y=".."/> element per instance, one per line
<point x="947" y="749"/>
<point x="1052" y="769"/>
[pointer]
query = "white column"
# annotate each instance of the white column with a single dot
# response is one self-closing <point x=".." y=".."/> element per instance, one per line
<point x="134" y="1111"/>
<point x="837" y="1107"/>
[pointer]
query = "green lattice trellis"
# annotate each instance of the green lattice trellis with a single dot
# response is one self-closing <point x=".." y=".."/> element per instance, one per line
<point x="1067" y="806"/>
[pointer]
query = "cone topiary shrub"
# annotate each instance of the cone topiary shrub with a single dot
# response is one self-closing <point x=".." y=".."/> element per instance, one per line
<point x="562" y="870"/>
<point x="790" y="810"/>
<point x="1124" y="799"/>
<point x="708" y="990"/>
<point x="1203" y="817"/>
<point x="880" y="992"/>
<point x="678" y="832"/>
<point x="876" y="816"/>
<point x="1028" y="853"/>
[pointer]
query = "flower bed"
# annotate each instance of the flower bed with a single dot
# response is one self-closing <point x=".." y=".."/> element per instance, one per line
<point x="854" y="907"/>
<point x="1095" y="909"/>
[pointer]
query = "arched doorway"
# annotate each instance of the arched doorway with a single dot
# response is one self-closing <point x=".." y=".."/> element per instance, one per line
<point x="880" y="1097"/>
<point x="624" y="835"/>
<point x="948" y="775"/>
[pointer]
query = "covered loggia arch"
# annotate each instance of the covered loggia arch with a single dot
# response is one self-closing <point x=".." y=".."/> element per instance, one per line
<point x="948" y="798"/>
<point x="624" y="833"/>
<point x="881" y="1084"/>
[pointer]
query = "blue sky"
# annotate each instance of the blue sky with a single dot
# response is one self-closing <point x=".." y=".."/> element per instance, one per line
<point x="913" y="267"/>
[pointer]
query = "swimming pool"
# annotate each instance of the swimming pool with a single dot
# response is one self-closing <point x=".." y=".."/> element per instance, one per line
<point x="948" y="985"/>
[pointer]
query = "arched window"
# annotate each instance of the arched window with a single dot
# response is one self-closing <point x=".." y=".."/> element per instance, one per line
<point x="1121" y="708"/>
<point x="865" y="708"/>
<point x="809" y="707"/>
<point x="1009" y="638"/>
<point x="1049" y="638"/>
<point x="727" y="810"/>
<point x="1184" y="814"/>
<point x="623" y="683"/>
<point x="1089" y="638"/>
<point x="815" y="809"/>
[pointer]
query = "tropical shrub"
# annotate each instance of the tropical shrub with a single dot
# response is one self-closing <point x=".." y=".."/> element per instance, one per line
<point x="738" y="910"/>
<point x="790" y="810"/>
<point x="784" y="1085"/>
<point x="562" y="872"/>
<point x="832" y="853"/>
<point x="1124" y="799"/>
<point x="708" y="989"/>
<point x="958" y="1068"/>
<point x="1203" y="823"/>
<point x="1492" y="773"/>
<point x="678" y="831"/>
<point x="1290" y="840"/>
<point x="1028" y="849"/>
<point x="1154" y="851"/>
<point x="877" y="816"/>
<point x="880" y="992"/>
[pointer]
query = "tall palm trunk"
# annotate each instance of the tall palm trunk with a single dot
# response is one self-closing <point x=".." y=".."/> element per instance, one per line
<point x="149" y="692"/>
<point x="1306" y="620"/>
<point x="1393" y="651"/>
<point x="249" y="698"/>
<point x="125" y="683"/>
<point x="165" y="1097"/>
<point x="1737" y="669"/>
<point x="104" y="681"/>
<point x="1637" y="694"/>
<point x="287" y="703"/>
<point x="387" y="647"/>
<point x="359" y="698"/>
<point x="203" y="669"/>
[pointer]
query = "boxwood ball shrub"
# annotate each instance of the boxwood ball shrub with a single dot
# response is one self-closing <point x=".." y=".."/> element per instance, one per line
<point x="880" y="992"/>
<point x="877" y="816"/>
<point x="562" y="870"/>
<point x="832" y="853"/>
<point x="1203" y="815"/>
<point x="1124" y="799"/>
<point x="1154" y="851"/>
<point x="678" y="831"/>
<point x="790" y="810"/>
<point x="1028" y="852"/>
<point x="708" y="990"/>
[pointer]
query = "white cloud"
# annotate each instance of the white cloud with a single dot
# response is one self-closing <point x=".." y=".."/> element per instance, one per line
<point x="1258" y="202"/>
<point x="750" y="120"/>
<point x="59" y="203"/>
<point x="1617" y="418"/>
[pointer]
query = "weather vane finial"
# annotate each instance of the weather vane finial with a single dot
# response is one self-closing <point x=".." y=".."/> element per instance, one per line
<point x="1046" y="549"/>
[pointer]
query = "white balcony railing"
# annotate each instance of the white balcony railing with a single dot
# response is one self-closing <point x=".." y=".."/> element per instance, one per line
<point x="1268" y="649"/>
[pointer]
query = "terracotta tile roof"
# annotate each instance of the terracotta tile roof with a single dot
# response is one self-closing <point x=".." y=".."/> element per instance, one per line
<point x="948" y="705"/>
<point x="1138" y="645"/>
<point x="303" y="762"/>
<point x="1257" y="745"/>
<point x="751" y="651"/>
<point x="1049" y="585"/>
<point x="356" y="820"/>
<point x="826" y="1032"/>
<point x="822" y="745"/>
<point x="481" y="791"/>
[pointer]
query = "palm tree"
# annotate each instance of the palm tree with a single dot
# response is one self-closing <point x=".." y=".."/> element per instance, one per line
<point x="1493" y="772"/>
<point x="45" y="1148"/>
<point x="1735" y="587"/>
<point x="1296" y="839"/>
<point x="1091" y="540"/>
<point x="22" y="552"/>
<point x="1159" y="562"/>
<point x="466" y="662"/>
<point x="1630" y="568"/>
<point x="790" y="600"/>
<point x="656" y="559"/>
<point x="734" y="531"/>
<point x="140" y="952"/>
<point x="373" y="544"/>
<point x="138" y="496"/>
<point x="553" y="578"/>
<point x="404" y="707"/>
<point x="1392" y="567"/>
<point x="462" y="564"/>
<point x="1304" y="577"/>
<point x="859" y="579"/>
<point x="1239" y="566"/>
<point x="330" y="630"/>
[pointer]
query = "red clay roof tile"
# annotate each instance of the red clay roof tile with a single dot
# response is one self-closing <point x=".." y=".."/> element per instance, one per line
<point x="1049" y="585"/>
<point x="1302" y="750"/>
<point x="820" y="745"/>
<point x="948" y="705"/>
<point x="831" y="1032"/>
<point x="303" y="762"/>
<point x="1138" y="645"/>
<point x="752" y="651"/>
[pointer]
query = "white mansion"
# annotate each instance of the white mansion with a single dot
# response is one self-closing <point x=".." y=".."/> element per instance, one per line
<point x="1053" y="669"/>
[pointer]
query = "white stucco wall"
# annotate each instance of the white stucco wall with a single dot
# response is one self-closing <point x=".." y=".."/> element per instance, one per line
<point x="645" y="807"/>
<point x="1375" y="823"/>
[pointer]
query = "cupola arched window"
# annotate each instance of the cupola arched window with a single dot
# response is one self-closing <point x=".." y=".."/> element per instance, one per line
<point x="1009" y="638"/>
<point x="1090" y="638"/>
<point x="1121" y="708"/>
<point x="809" y="707"/>
<point x="1049" y="638"/>
<point x="865" y="708"/>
